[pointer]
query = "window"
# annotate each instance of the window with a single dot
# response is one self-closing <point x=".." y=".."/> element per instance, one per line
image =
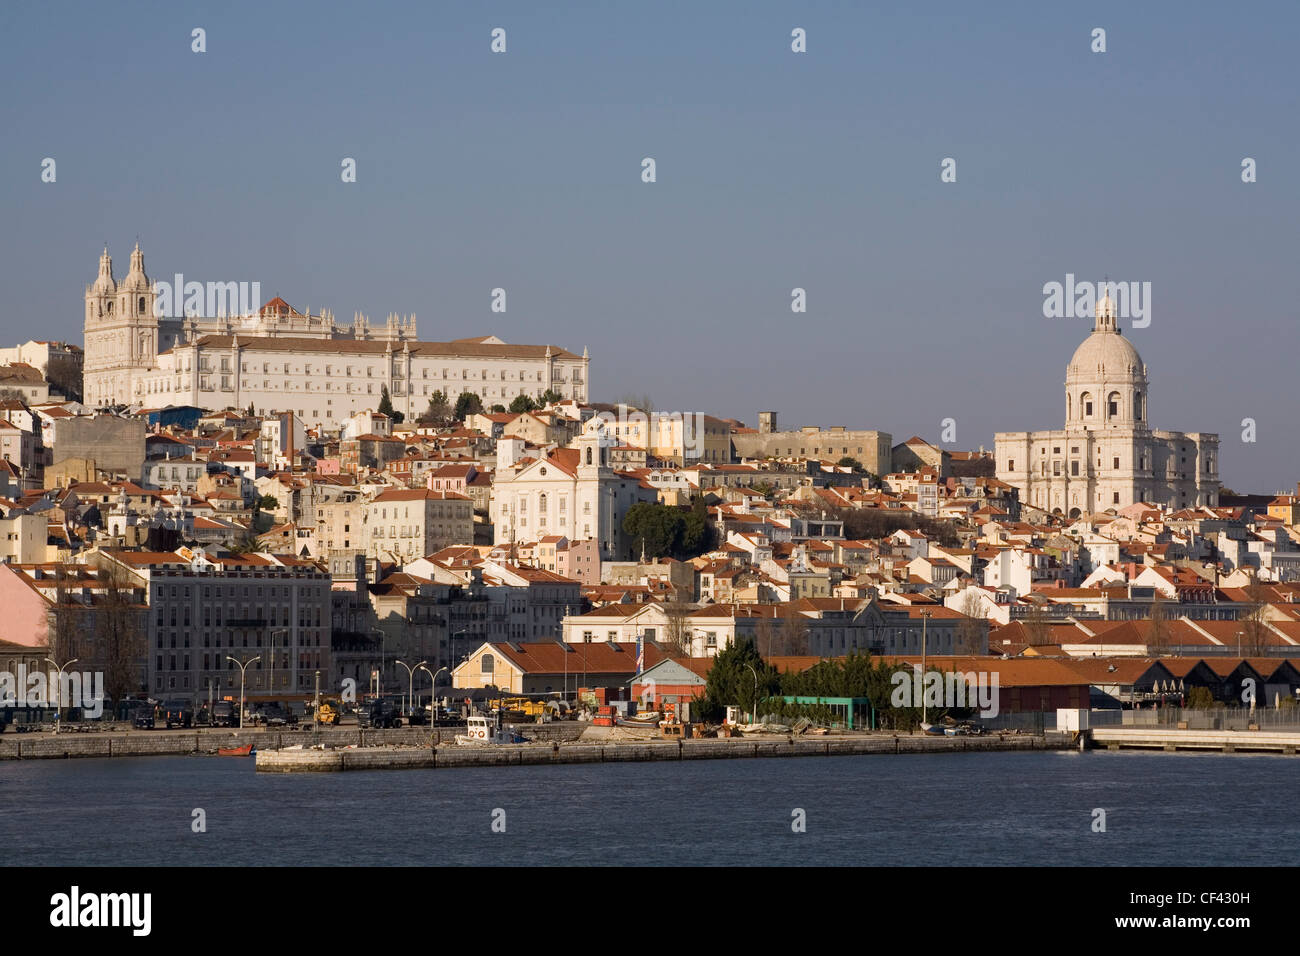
<point x="1115" y="463"/>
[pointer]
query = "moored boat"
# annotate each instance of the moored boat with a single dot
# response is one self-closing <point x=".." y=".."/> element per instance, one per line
<point x="244" y="751"/>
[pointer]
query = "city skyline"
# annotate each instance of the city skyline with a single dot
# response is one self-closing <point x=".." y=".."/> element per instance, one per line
<point x="478" y="171"/>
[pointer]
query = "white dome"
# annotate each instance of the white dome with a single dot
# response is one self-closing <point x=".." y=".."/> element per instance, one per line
<point x="1106" y="357"/>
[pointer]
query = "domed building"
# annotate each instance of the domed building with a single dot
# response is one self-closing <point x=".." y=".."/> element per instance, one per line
<point x="1107" y="457"/>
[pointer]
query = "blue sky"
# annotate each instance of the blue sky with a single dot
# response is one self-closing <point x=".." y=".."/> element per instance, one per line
<point x="775" y="170"/>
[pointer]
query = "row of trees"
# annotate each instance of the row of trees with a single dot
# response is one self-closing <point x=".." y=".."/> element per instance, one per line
<point x="739" y="672"/>
<point x="440" y="410"/>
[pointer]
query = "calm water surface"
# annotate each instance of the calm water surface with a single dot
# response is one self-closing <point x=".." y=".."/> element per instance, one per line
<point x="993" y="808"/>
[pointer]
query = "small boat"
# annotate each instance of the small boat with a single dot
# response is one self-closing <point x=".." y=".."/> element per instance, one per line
<point x="934" y="730"/>
<point x="957" y="731"/>
<point x="479" y="730"/>
<point x="244" y="751"/>
<point x="650" y="722"/>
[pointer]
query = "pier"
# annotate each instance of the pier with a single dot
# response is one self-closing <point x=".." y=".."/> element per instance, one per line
<point x="1160" y="738"/>
<point x="651" y="749"/>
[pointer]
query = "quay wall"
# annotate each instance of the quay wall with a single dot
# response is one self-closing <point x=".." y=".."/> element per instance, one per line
<point x="300" y="761"/>
<point x="145" y="743"/>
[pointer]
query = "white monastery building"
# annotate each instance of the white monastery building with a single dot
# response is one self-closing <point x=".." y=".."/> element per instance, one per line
<point x="278" y="359"/>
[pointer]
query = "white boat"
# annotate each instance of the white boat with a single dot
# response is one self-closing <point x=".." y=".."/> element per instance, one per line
<point x="481" y="731"/>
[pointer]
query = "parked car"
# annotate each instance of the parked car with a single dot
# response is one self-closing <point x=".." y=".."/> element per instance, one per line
<point x="275" y="715"/>
<point x="143" y="717"/>
<point x="383" y="713"/>
<point x="225" y="714"/>
<point x="177" y="713"/>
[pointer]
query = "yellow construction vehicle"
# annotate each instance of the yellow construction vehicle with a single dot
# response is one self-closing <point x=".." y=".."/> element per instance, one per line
<point x="328" y="713"/>
<point x="519" y="707"/>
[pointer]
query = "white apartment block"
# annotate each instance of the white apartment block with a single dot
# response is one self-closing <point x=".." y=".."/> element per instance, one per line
<point x="204" y="610"/>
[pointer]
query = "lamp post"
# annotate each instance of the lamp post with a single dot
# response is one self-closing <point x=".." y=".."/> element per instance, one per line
<point x="452" y="649"/>
<point x="58" y="710"/>
<point x="433" y="688"/>
<point x="242" y="668"/>
<point x="410" y="683"/>
<point x="315" y="710"/>
<point x="284" y="631"/>
<point x="753" y="710"/>
<point x="925" y="619"/>
<point x="383" y="643"/>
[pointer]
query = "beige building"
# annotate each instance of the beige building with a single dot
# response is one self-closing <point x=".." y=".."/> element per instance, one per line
<point x="403" y="524"/>
<point x="1107" y="456"/>
<point x="872" y="448"/>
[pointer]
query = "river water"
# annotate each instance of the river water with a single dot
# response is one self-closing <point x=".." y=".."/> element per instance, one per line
<point x="961" y="809"/>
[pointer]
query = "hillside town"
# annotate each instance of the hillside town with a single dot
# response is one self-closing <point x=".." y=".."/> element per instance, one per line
<point x="338" y="502"/>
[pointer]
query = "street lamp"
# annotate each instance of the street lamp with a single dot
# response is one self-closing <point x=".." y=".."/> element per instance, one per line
<point x="753" y="711"/>
<point x="433" y="688"/>
<point x="58" y="712"/>
<point x="282" y="630"/>
<point x="383" y="639"/>
<point x="925" y="619"/>
<point x="410" y="683"/>
<point x="453" y="636"/>
<point x="315" y="711"/>
<point x="242" y="668"/>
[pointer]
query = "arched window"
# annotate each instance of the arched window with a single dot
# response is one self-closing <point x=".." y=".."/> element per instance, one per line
<point x="141" y="307"/>
<point x="487" y="664"/>
<point x="589" y="454"/>
<point x="1137" y="406"/>
<point x="1112" y="405"/>
<point x="541" y="503"/>
<point x="1085" y="404"/>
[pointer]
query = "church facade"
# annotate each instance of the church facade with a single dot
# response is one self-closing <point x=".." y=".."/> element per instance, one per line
<point x="278" y="359"/>
<point x="1107" y="456"/>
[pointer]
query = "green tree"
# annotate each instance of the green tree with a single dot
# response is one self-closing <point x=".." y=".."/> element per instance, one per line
<point x="438" y="410"/>
<point x="1199" y="698"/>
<point x="522" y="403"/>
<point x="468" y="404"/>
<point x="498" y="409"/>
<point x="731" y="682"/>
<point x="550" y="397"/>
<point x="848" y="461"/>
<point x="385" y="401"/>
<point x="669" y="531"/>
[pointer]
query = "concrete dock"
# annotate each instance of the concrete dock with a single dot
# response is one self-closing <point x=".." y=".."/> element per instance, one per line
<point x="439" y="757"/>
<point x="155" y="743"/>
<point x="1224" y="741"/>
